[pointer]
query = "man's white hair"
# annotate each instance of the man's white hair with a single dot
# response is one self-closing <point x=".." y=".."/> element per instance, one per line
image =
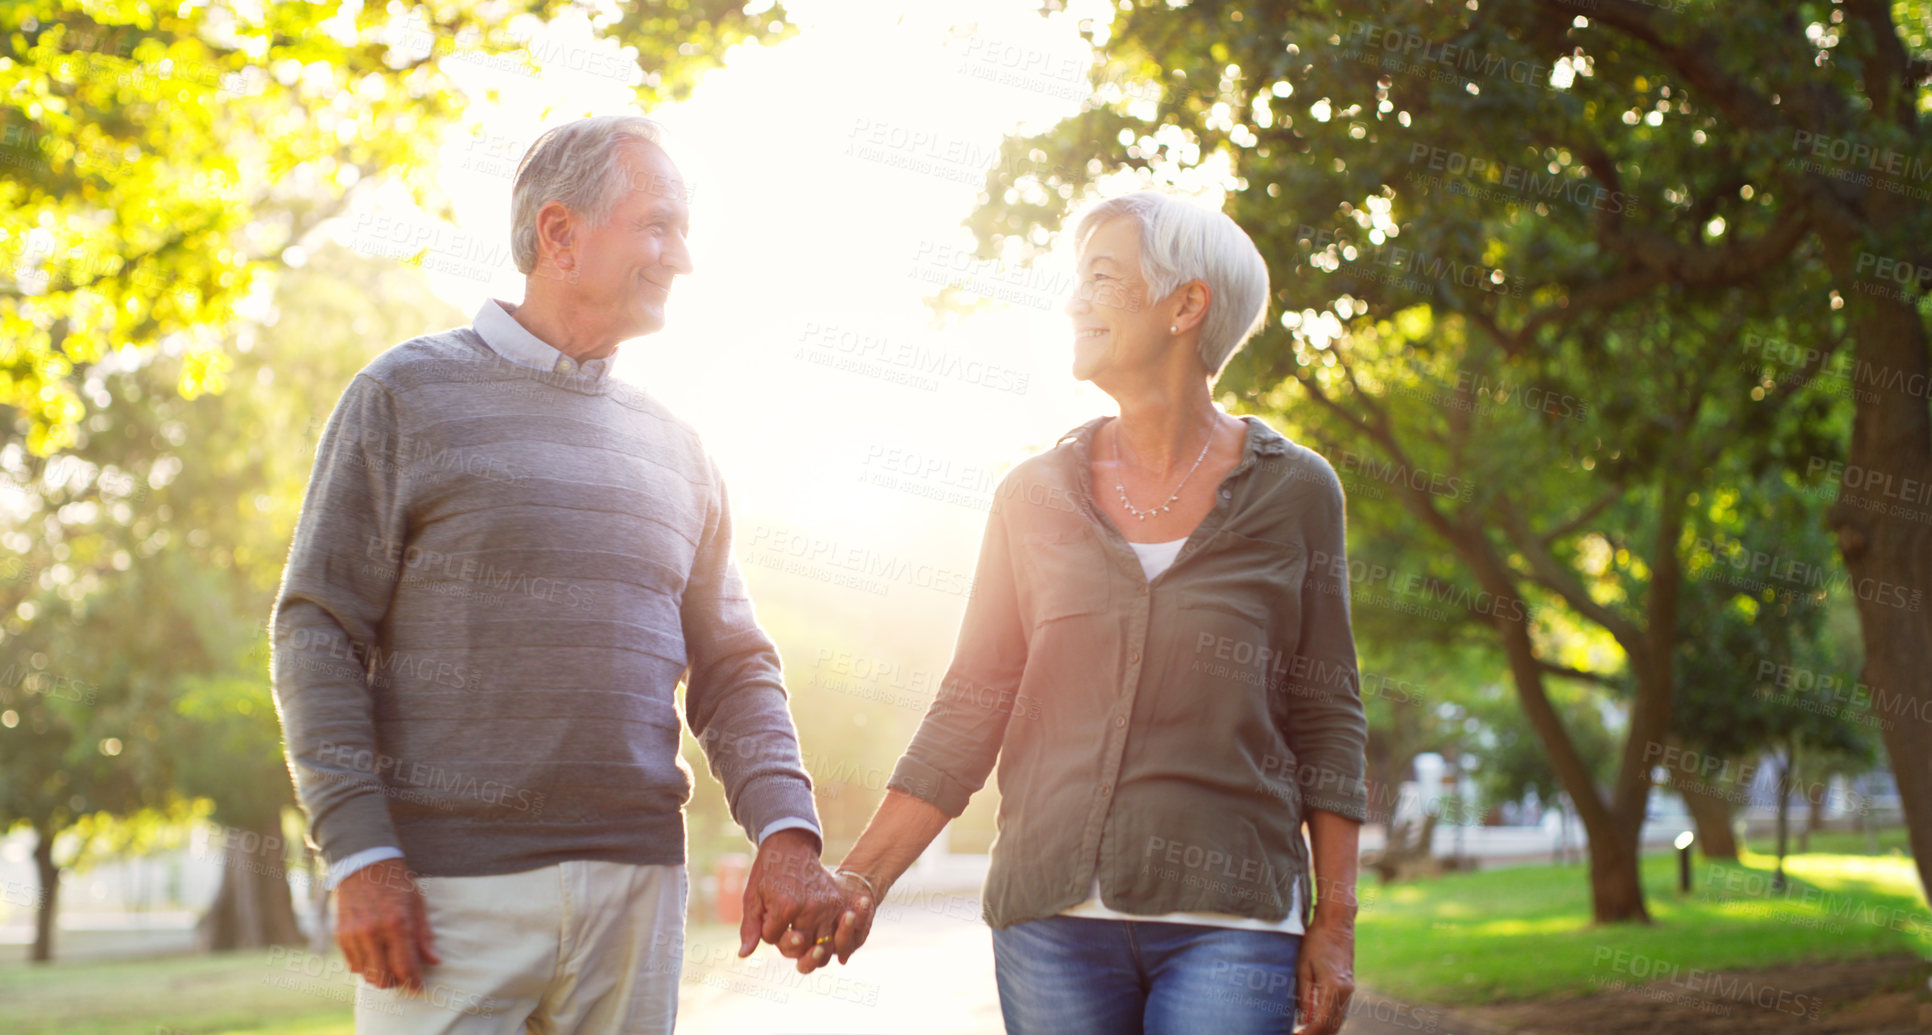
<point x="577" y="165"/>
<point x="1181" y="241"/>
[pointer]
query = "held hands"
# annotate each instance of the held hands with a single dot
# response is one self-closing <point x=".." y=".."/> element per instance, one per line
<point x="855" y="922"/>
<point x="382" y="926"/>
<point x="789" y="889"/>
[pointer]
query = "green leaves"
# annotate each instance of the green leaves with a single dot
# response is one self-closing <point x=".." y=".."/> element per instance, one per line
<point x="156" y="161"/>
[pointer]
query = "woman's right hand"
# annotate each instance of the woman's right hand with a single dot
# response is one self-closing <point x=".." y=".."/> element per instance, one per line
<point x="855" y="923"/>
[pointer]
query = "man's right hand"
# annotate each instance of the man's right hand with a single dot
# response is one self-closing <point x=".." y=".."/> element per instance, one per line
<point x="382" y="925"/>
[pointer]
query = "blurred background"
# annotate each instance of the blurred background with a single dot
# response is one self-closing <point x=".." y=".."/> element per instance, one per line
<point x="1611" y="315"/>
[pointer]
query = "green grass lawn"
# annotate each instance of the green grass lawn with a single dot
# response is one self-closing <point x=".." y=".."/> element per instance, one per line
<point x="232" y="994"/>
<point x="1524" y="932"/>
<point x="1892" y="839"/>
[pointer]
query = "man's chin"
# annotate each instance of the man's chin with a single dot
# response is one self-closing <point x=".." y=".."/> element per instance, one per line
<point x="648" y="322"/>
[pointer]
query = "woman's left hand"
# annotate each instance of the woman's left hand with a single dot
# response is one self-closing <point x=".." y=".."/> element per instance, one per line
<point x="1325" y="977"/>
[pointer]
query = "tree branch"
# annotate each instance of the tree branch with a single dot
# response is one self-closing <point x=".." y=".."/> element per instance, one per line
<point x="1576" y="673"/>
<point x="1889" y="67"/>
<point x="1583" y="517"/>
<point x="1553" y="575"/>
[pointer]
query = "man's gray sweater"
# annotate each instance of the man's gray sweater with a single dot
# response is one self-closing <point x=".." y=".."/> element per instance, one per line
<point x="498" y="577"/>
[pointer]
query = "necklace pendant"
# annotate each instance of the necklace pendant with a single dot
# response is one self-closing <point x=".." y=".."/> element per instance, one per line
<point x="1142" y="515"/>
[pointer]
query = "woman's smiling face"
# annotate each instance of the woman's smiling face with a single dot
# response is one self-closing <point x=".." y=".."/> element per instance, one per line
<point x="1114" y="326"/>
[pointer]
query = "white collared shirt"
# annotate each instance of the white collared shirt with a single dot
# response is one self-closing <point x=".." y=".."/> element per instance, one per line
<point x="513" y="341"/>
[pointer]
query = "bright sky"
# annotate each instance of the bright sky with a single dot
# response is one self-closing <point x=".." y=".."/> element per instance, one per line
<point x="830" y="174"/>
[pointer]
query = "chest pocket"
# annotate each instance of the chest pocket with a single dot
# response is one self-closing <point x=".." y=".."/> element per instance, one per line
<point x="1256" y="581"/>
<point x="1068" y="574"/>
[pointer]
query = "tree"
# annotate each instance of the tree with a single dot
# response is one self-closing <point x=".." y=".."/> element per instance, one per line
<point x="1513" y="764"/>
<point x="1414" y="675"/>
<point x="1562" y="536"/>
<point x="1727" y="715"/>
<point x="78" y="724"/>
<point x="141" y="200"/>
<point x="158" y="158"/>
<point x="1561" y="183"/>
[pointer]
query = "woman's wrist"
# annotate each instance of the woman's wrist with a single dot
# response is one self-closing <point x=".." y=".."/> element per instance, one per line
<point x="1335" y="903"/>
<point x="1333" y="917"/>
<point x="871" y="886"/>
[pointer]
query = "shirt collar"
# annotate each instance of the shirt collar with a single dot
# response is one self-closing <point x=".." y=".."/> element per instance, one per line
<point x="514" y="342"/>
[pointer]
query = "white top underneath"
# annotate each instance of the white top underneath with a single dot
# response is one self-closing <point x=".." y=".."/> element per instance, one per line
<point x="1154" y="559"/>
<point x="1157" y="557"/>
<point x="1290" y="924"/>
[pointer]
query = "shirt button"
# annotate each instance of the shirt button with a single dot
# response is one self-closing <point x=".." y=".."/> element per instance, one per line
<point x="1133" y="658"/>
<point x="1143" y="589"/>
<point x="566" y="365"/>
<point x="1119" y="721"/>
<point x="1227" y="494"/>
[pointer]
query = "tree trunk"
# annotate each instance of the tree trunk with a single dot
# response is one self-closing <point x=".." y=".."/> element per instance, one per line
<point x="1710" y="809"/>
<point x="1784" y="814"/>
<point x="1815" y="796"/>
<point x="47" y="910"/>
<point x="1616" y="890"/>
<point x="1712" y="815"/>
<point x="1387" y="766"/>
<point x="1616" y="886"/>
<point x="1615" y="826"/>
<point x="253" y="909"/>
<point x="1562" y="831"/>
<point x="1896" y="670"/>
<point x="1884" y="528"/>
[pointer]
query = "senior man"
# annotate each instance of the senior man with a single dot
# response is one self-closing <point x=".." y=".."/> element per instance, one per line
<point x="504" y="564"/>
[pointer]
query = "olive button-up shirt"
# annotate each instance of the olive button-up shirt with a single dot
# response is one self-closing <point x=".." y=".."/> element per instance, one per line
<point x="1164" y="737"/>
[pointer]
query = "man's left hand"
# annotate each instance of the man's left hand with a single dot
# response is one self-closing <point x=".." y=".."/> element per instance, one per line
<point x="789" y="889"/>
<point x="1325" y="976"/>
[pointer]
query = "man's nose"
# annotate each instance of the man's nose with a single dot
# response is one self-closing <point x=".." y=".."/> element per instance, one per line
<point x="677" y="255"/>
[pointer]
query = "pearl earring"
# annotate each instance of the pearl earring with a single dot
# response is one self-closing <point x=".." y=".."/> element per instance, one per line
<point x="1172" y="329"/>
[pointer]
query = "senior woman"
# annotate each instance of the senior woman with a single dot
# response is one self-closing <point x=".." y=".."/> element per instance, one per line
<point x="1157" y="652"/>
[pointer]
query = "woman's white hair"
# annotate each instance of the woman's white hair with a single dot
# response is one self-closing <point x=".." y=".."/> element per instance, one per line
<point x="1181" y="241"/>
<point x="576" y="164"/>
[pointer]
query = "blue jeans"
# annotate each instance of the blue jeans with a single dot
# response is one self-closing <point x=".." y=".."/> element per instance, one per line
<point x="1075" y="975"/>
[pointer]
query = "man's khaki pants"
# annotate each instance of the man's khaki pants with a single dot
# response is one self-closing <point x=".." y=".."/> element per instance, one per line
<point x="576" y="947"/>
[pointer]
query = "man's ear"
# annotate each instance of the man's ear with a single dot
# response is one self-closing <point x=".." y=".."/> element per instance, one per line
<point x="557" y="237"/>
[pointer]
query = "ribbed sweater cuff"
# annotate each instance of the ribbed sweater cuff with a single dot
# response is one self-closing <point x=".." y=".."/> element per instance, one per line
<point x="767" y="800"/>
<point x="355" y="825"/>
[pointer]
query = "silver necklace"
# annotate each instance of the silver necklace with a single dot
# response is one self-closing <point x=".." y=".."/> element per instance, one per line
<point x="1143" y="515"/>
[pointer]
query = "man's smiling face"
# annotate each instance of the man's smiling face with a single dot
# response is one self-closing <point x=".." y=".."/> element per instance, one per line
<point x="625" y="266"/>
